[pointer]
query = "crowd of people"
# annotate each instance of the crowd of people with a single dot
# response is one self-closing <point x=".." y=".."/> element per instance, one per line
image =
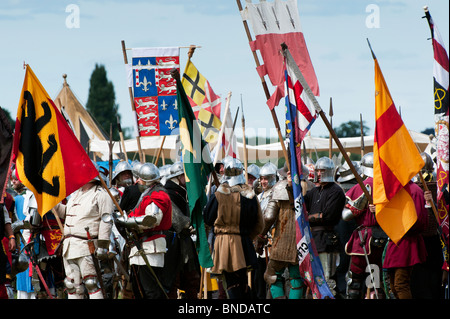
<point x="135" y="240"/>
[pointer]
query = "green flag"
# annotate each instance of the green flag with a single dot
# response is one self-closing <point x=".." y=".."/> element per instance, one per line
<point x="197" y="166"/>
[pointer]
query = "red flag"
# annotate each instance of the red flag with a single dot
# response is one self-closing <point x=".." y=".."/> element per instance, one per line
<point x="50" y="160"/>
<point x="275" y="23"/>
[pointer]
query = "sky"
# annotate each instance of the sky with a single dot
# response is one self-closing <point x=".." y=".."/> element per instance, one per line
<point x="57" y="37"/>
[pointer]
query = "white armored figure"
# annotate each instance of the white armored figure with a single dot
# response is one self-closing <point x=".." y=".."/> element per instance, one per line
<point x="86" y="207"/>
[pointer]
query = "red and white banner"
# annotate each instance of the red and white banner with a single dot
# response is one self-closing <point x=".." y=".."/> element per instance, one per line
<point x="274" y="23"/>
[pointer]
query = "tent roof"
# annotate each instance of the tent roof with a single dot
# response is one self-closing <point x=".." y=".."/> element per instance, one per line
<point x="82" y="123"/>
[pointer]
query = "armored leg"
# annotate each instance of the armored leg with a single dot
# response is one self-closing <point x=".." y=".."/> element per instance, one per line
<point x="93" y="287"/>
<point x="296" y="283"/>
<point x="73" y="283"/>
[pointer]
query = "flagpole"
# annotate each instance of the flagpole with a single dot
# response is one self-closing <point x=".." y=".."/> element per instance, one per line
<point x="331" y="124"/>
<point x="362" y="134"/>
<point x="119" y="127"/>
<point x="308" y="91"/>
<point x="266" y="90"/>
<point x="133" y="108"/>
<point x="244" y="142"/>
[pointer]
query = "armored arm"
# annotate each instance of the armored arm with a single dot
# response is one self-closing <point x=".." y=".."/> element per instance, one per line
<point x="270" y="215"/>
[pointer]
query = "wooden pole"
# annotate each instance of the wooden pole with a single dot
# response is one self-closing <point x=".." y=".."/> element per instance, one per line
<point x="266" y="91"/>
<point x="122" y="142"/>
<point x="244" y="142"/>
<point x="362" y="134"/>
<point x="159" y="151"/>
<point x="133" y="108"/>
<point x="308" y="91"/>
<point x="331" y="124"/>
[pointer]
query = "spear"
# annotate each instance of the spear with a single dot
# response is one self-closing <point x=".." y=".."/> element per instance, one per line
<point x="331" y="124"/>
<point x="122" y="142"/>
<point x="362" y="134"/>
<point x="313" y="99"/>
<point x="244" y="143"/>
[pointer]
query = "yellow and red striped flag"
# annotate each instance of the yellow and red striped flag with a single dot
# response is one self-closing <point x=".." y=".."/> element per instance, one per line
<point x="50" y="160"/>
<point x="396" y="161"/>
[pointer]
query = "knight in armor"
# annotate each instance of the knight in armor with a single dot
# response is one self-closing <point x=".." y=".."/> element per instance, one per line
<point x="132" y="193"/>
<point x="89" y="206"/>
<point x="181" y="259"/>
<point x="324" y="204"/>
<point x="147" y="224"/>
<point x="267" y="179"/>
<point x="252" y="174"/>
<point x="235" y="213"/>
<point x="367" y="234"/>
<point x="279" y="219"/>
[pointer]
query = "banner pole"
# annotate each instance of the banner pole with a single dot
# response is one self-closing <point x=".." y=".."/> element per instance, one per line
<point x="133" y="108"/>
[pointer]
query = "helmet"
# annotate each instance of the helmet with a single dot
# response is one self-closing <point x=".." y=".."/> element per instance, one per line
<point x="367" y="164"/>
<point x="103" y="172"/>
<point x="149" y="173"/>
<point x="305" y="172"/>
<point x="346" y="174"/>
<point x="324" y="163"/>
<point x="135" y="166"/>
<point x="253" y="170"/>
<point x="269" y="170"/>
<point x="176" y="169"/>
<point x="122" y="166"/>
<point x="233" y="172"/>
<point x="429" y="165"/>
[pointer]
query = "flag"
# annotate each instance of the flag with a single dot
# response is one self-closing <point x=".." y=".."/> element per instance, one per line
<point x="441" y="117"/>
<point x="229" y="137"/>
<point x="309" y="263"/>
<point x="6" y="141"/>
<point x="275" y="23"/>
<point x="303" y="108"/>
<point x="396" y="161"/>
<point x="50" y="160"/>
<point x="197" y="167"/>
<point x="154" y="90"/>
<point x="204" y="102"/>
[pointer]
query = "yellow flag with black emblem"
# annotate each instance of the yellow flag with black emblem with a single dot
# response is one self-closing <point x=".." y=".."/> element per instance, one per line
<point x="204" y="102"/>
<point x="49" y="159"/>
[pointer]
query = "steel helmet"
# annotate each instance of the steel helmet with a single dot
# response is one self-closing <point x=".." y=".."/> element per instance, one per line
<point x="103" y="172"/>
<point x="233" y="172"/>
<point x="326" y="164"/>
<point x="135" y="166"/>
<point x="346" y="174"/>
<point x="122" y="166"/>
<point x="253" y="170"/>
<point x="176" y="169"/>
<point x="367" y="164"/>
<point x="149" y="173"/>
<point x="269" y="170"/>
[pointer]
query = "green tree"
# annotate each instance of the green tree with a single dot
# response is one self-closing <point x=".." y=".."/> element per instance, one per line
<point x="351" y="129"/>
<point x="101" y="103"/>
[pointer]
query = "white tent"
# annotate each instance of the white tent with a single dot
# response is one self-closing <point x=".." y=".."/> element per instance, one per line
<point x="263" y="153"/>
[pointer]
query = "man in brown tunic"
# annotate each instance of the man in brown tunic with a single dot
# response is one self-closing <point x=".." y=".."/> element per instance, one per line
<point x="234" y="212"/>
